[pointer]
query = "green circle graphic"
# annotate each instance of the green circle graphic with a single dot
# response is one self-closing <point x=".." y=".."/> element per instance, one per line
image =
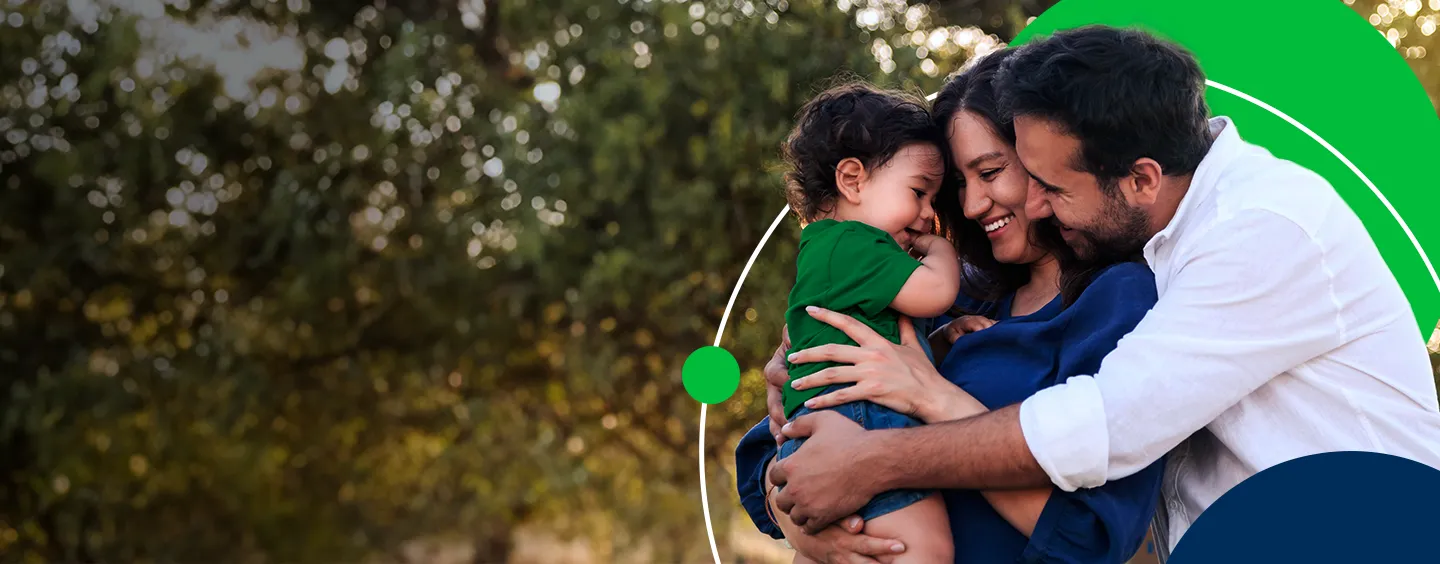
<point x="1324" y="67"/>
<point x="710" y="375"/>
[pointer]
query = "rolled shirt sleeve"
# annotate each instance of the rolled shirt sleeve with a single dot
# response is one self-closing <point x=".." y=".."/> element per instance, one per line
<point x="1252" y="300"/>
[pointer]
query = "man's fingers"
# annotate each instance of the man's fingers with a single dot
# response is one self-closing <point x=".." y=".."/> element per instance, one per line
<point x="853" y="524"/>
<point x="872" y="546"/>
<point x="775" y="432"/>
<point x="804" y="425"/>
<point x="853" y="328"/>
<point x="775" y="404"/>
<point x="783" y="501"/>
<point x="843" y="354"/>
<point x="776" y="373"/>
<point x="811" y="525"/>
<point x="778" y="479"/>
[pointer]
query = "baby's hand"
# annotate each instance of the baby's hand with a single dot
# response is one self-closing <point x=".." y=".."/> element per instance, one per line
<point x="923" y="243"/>
<point x="964" y="326"/>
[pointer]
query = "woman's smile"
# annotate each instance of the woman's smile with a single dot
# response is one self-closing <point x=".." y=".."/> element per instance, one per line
<point x="996" y="227"/>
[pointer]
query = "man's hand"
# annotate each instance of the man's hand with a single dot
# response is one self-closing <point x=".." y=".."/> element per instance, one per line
<point x="825" y="479"/>
<point x="843" y="543"/>
<point x="776" y="377"/>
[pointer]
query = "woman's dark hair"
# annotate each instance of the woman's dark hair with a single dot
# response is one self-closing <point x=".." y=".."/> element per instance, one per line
<point x="983" y="277"/>
<point x="1124" y="93"/>
<point x="853" y="120"/>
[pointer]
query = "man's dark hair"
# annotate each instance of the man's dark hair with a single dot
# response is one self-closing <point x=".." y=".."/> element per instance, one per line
<point x="852" y="120"/>
<point x="1124" y="93"/>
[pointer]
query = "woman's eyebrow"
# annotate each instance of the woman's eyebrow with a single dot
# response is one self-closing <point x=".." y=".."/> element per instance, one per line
<point x="977" y="160"/>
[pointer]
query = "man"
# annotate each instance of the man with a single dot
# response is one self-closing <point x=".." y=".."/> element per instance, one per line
<point x="1279" y="331"/>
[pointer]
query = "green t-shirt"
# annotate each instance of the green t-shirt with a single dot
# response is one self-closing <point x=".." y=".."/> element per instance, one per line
<point x="851" y="268"/>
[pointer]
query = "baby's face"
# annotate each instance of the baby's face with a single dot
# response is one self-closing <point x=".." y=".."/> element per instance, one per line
<point x="898" y="197"/>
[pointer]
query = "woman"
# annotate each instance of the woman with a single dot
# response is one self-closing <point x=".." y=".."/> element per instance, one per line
<point x="1034" y="315"/>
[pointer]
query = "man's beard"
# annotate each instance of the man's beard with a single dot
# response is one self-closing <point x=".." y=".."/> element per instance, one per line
<point x="1119" y="235"/>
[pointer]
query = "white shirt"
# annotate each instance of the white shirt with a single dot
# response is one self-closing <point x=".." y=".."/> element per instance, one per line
<point x="1279" y="333"/>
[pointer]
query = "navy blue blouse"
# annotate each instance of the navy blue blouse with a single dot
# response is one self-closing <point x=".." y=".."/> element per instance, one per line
<point x="1000" y="366"/>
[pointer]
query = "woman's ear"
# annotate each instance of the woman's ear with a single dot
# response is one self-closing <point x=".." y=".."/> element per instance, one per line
<point x="849" y="176"/>
<point x="1146" y="175"/>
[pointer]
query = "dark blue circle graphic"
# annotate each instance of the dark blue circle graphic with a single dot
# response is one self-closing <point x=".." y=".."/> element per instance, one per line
<point x="1333" y="507"/>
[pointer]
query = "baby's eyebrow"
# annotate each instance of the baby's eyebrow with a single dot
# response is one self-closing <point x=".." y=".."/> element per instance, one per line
<point x="928" y="179"/>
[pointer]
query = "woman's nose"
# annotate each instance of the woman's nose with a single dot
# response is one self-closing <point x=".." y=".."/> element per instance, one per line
<point x="975" y="203"/>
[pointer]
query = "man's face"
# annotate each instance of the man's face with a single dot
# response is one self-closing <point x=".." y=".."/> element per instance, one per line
<point x="1098" y="222"/>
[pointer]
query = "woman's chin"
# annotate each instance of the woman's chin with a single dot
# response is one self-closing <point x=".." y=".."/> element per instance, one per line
<point x="1007" y="251"/>
<point x="1009" y="258"/>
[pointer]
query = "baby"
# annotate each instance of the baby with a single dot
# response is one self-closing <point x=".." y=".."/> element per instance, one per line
<point x="865" y="168"/>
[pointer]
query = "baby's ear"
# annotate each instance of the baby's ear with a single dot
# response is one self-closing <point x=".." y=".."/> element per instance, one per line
<point x="849" y="175"/>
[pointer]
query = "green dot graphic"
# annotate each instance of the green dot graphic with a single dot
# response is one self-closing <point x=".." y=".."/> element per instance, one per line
<point x="711" y="375"/>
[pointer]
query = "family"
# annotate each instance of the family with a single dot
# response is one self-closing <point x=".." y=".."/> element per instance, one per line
<point x="1060" y="307"/>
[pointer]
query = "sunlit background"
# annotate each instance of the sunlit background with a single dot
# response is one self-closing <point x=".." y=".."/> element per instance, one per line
<point x="411" y="281"/>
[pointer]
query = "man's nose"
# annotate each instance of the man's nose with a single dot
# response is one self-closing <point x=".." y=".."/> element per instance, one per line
<point x="1037" y="202"/>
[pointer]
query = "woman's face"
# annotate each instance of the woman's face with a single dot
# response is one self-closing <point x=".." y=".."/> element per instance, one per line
<point x="995" y="189"/>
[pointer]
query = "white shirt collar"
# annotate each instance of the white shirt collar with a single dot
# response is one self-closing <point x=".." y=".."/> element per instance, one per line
<point x="1227" y="143"/>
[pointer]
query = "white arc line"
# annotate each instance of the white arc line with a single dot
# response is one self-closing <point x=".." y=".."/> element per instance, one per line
<point x="704" y="492"/>
<point x="1323" y="143"/>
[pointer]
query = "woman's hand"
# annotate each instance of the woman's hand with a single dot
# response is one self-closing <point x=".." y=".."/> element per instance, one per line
<point x="899" y="377"/>
<point x="962" y="326"/>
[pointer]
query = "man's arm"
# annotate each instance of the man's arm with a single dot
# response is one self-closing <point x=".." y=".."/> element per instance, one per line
<point x="983" y="452"/>
<point x="949" y="455"/>
<point x="1253" y="300"/>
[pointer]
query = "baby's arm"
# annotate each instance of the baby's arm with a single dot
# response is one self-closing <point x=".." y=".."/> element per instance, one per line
<point x="932" y="288"/>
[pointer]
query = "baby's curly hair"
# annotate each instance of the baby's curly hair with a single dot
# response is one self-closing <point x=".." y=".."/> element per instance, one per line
<point x="852" y="120"/>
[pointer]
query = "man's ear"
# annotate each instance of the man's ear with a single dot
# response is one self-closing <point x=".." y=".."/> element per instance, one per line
<point x="1142" y="186"/>
<point x="850" y="174"/>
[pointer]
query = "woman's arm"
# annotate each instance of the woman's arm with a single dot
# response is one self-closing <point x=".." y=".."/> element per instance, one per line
<point x="1106" y="523"/>
<point x="1021" y="508"/>
<point x="1103" y="524"/>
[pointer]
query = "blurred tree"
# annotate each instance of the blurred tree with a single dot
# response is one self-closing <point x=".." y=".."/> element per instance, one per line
<point x="301" y="281"/>
<point x="1410" y="25"/>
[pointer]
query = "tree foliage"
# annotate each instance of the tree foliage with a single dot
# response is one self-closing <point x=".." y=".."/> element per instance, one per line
<point x="301" y="281"/>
